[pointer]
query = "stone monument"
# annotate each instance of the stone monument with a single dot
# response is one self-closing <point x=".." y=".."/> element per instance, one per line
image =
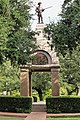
<point x="45" y="60"/>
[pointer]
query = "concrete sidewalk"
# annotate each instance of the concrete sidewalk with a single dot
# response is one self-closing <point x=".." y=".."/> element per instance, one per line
<point x="64" y="114"/>
<point x="13" y="114"/>
<point x="36" y="116"/>
<point x="25" y="114"/>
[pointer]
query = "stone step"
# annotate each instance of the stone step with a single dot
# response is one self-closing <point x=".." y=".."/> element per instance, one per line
<point x="36" y="116"/>
<point x="38" y="107"/>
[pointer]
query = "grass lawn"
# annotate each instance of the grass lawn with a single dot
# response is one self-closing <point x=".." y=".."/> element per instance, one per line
<point x="64" y="118"/>
<point x="10" y="118"/>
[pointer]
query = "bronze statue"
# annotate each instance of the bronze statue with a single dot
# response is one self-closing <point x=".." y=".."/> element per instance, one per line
<point x="39" y="11"/>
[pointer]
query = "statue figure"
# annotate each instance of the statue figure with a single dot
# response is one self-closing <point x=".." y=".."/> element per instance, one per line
<point x="39" y="11"/>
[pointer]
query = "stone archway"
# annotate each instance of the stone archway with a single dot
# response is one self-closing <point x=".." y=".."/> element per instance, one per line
<point x="41" y="62"/>
<point x="45" y="60"/>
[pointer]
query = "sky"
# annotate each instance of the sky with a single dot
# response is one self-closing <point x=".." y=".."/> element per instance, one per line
<point x="50" y="14"/>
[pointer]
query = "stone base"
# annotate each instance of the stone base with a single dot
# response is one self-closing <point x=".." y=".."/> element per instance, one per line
<point x="38" y="107"/>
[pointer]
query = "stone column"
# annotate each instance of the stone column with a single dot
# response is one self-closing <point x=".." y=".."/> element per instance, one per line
<point x="30" y="84"/>
<point x="55" y="82"/>
<point x="24" y="82"/>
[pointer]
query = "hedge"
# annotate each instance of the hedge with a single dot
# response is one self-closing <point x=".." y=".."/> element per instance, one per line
<point x="15" y="104"/>
<point x="63" y="105"/>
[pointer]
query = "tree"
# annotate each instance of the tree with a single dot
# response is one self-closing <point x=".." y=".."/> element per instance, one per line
<point x="16" y="38"/>
<point x="65" y="36"/>
<point x="41" y="83"/>
<point x="9" y="78"/>
<point x="70" y="71"/>
<point x="65" y="33"/>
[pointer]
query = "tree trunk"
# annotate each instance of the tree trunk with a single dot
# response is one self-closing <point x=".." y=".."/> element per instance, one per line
<point x="70" y="92"/>
<point x="40" y="94"/>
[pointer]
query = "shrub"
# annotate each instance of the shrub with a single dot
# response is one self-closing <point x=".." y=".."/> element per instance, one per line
<point x="63" y="104"/>
<point x="15" y="104"/>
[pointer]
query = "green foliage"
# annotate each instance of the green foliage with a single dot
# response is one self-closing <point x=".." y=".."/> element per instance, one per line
<point x="63" y="104"/>
<point x="16" y="38"/>
<point x="70" y="71"/>
<point x="9" y="78"/>
<point x="17" y="41"/>
<point x="15" y="104"/>
<point x="21" y="47"/>
<point x="65" y="34"/>
<point x="41" y="83"/>
<point x="40" y="78"/>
